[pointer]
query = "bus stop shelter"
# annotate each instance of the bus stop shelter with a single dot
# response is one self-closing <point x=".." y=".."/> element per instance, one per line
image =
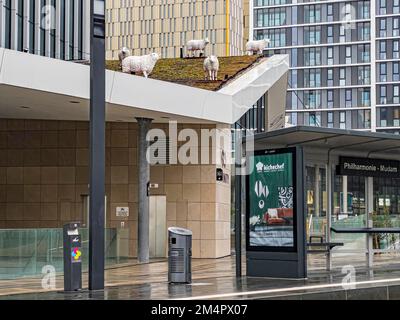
<point x="323" y="149"/>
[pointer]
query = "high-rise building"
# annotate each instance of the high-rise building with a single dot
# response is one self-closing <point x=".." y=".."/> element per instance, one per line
<point x="165" y="26"/>
<point x="53" y="28"/>
<point x="344" y="60"/>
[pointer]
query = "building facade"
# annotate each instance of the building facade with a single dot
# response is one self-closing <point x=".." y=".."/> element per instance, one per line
<point x="52" y="28"/>
<point x="165" y="26"/>
<point x="344" y="60"/>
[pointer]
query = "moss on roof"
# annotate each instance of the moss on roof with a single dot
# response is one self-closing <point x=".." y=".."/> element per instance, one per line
<point x="190" y="72"/>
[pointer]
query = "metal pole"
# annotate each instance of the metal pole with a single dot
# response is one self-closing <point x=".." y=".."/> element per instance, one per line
<point x="144" y="179"/>
<point x="369" y="192"/>
<point x="238" y="202"/>
<point x="97" y="146"/>
<point x="329" y="190"/>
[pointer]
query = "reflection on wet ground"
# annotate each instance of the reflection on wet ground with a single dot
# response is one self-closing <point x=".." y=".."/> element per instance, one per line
<point x="215" y="279"/>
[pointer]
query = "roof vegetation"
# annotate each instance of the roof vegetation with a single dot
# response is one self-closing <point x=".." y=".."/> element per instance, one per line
<point x="190" y="72"/>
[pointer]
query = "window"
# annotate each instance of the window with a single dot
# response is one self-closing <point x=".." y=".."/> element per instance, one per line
<point x="383" y="72"/>
<point x="382" y="50"/>
<point x="348" y="98"/>
<point x="382" y="28"/>
<point x="270" y="17"/>
<point x="314" y="120"/>
<point x="396" y="99"/>
<point x="330" y="56"/>
<point x="364" y="119"/>
<point x="383" y="117"/>
<point x="7" y="33"/>
<point x="396" y="117"/>
<point x="396" y="49"/>
<point x="330" y="12"/>
<point x="396" y="76"/>
<point x="396" y="27"/>
<point x="42" y="32"/>
<point x="382" y="97"/>
<point x="62" y="29"/>
<point x="312" y="77"/>
<point x="364" y="53"/>
<point x="364" y="75"/>
<point x="312" y="14"/>
<point x="312" y="99"/>
<point x="342" y="33"/>
<point x="20" y="22"/>
<point x="330" y="98"/>
<point x="312" y="35"/>
<point x="312" y="56"/>
<point x="330" y="120"/>
<point x="364" y="12"/>
<point x="382" y="6"/>
<point x="365" y="98"/>
<point x="342" y="77"/>
<point x="396" y="6"/>
<point x="330" y="78"/>
<point x="53" y="37"/>
<point x="330" y="34"/>
<point x="71" y="30"/>
<point x="348" y="55"/>
<point x="32" y="21"/>
<point x="342" y="118"/>
<point x="364" y="31"/>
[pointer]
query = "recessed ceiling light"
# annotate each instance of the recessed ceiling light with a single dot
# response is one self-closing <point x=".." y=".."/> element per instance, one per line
<point x="24" y="107"/>
<point x="74" y="102"/>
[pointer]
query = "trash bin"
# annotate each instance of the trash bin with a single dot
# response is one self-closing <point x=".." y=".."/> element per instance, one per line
<point x="72" y="248"/>
<point x="179" y="255"/>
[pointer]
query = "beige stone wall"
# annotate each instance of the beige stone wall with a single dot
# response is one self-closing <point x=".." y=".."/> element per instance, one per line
<point x="44" y="173"/>
<point x="165" y="26"/>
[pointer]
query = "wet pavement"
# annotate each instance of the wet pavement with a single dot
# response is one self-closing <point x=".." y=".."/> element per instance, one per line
<point x="379" y="283"/>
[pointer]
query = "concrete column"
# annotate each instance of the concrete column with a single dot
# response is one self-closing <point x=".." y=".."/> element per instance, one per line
<point x="369" y="197"/>
<point x="144" y="178"/>
<point x="345" y="208"/>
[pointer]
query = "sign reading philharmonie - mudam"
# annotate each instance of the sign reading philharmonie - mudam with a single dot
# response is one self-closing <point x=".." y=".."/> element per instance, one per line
<point x="368" y="167"/>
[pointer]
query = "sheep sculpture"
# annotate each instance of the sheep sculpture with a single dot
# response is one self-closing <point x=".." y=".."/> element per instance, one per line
<point x="140" y="64"/>
<point x="197" y="45"/>
<point x="257" y="46"/>
<point x="124" y="53"/>
<point x="211" y="68"/>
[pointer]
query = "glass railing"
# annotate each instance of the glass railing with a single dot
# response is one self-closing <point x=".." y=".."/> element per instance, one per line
<point x="24" y="252"/>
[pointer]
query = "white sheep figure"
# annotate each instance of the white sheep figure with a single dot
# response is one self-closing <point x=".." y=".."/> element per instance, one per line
<point x="197" y="45"/>
<point x="257" y="46"/>
<point x="140" y="64"/>
<point x="124" y="53"/>
<point x="211" y="68"/>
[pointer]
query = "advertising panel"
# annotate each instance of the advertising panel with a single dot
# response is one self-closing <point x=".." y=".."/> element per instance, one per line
<point x="271" y="201"/>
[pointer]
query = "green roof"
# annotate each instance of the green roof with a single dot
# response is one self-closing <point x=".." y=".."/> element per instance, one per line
<point x="190" y="72"/>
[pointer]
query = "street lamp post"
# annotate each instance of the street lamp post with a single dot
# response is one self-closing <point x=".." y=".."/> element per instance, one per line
<point x="97" y="145"/>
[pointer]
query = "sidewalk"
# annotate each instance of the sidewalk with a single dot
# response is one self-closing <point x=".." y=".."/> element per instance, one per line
<point x="216" y="277"/>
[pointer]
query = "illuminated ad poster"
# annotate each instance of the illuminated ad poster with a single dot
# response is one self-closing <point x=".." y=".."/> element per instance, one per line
<point x="271" y="200"/>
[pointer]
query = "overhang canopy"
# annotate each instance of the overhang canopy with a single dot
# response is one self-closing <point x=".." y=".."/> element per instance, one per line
<point x="55" y="89"/>
<point x="332" y="141"/>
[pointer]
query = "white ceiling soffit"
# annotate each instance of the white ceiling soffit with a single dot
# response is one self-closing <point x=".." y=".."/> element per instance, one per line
<point x="71" y="80"/>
